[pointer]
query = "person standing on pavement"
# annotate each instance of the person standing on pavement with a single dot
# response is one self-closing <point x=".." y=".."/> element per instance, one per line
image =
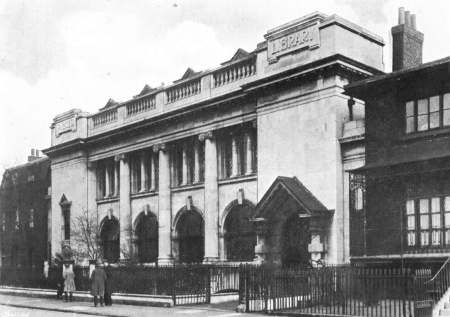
<point x="98" y="279"/>
<point x="69" y="281"/>
<point x="108" y="285"/>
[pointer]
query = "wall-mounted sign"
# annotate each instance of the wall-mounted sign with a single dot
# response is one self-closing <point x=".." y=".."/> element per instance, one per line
<point x="65" y="126"/>
<point x="307" y="38"/>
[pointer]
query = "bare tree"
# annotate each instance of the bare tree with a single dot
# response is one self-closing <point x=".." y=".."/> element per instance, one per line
<point x="86" y="236"/>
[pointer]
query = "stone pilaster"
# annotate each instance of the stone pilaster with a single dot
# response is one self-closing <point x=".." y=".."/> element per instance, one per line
<point x="211" y="199"/>
<point x="143" y="172"/>
<point x="234" y="156"/>
<point x="196" y="176"/>
<point x="261" y="232"/>
<point x="153" y="172"/>
<point x="184" y="165"/>
<point x="249" y="153"/>
<point x="124" y="208"/>
<point x="107" y="181"/>
<point x="316" y="248"/>
<point x="116" y="178"/>
<point x="164" y="211"/>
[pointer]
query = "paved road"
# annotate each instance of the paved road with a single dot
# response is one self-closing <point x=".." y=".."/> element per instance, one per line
<point x="16" y="306"/>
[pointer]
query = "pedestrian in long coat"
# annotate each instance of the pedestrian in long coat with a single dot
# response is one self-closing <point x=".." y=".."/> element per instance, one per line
<point x="69" y="281"/>
<point x="108" y="285"/>
<point x="98" y="279"/>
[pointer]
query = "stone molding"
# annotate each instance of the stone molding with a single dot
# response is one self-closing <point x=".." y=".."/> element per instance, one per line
<point x="206" y="135"/>
<point x="160" y="147"/>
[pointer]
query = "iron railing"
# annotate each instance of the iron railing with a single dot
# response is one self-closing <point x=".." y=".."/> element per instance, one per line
<point x="344" y="290"/>
<point x="439" y="283"/>
<point x="186" y="284"/>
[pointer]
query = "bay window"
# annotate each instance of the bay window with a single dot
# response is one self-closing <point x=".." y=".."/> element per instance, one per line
<point x="427" y="222"/>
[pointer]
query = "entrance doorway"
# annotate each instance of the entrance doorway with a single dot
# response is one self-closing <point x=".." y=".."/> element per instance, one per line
<point x="295" y="240"/>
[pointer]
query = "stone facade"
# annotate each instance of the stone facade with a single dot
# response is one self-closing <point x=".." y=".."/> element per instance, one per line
<point x="199" y="154"/>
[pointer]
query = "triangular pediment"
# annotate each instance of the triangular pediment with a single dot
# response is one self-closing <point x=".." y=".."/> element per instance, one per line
<point x="146" y="90"/>
<point x="290" y="189"/>
<point x="109" y="104"/>
<point x="239" y="54"/>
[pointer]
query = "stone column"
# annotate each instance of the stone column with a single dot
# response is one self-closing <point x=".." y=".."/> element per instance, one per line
<point x="124" y="207"/>
<point x="316" y="247"/>
<point x="260" y="248"/>
<point x="184" y="165"/>
<point x="107" y="181"/>
<point x="234" y="156"/>
<point x="164" y="212"/>
<point x="249" y="153"/>
<point x="211" y="199"/>
<point x="153" y="171"/>
<point x="116" y="179"/>
<point x="143" y="173"/>
<point x="196" y="176"/>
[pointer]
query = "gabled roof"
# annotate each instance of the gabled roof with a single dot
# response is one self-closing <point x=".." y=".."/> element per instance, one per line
<point x="146" y="90"/>
<point x="239" y="54"/>
<point x="297" y="191"/>
<point x="188" y="74"/>
<point x="111" y="103"/>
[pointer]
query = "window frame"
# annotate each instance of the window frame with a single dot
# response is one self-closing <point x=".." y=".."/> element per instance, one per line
<point x="443" y="100"/>
<point x="443" y="229"/>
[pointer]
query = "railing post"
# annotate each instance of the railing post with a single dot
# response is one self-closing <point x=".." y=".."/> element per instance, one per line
<point x="173" y="281"/>
<point x="208" y="284"/>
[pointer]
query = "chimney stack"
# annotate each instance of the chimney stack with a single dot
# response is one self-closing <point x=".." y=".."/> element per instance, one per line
<point x="407" y="42"/>
<point x="34" y="155"/>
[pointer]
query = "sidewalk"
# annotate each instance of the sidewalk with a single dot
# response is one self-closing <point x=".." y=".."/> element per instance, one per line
<point x="78" y="296"/>
<point x="117" y="310"/>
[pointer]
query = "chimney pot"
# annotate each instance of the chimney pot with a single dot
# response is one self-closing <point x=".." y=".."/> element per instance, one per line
<point x="413" y="21"/>
<point x="401" y="15"/>
<point x="32" y="152"/>
<point x="37" y="153"/>
<point x="407" y="42"/>
<point x="407" y="19"/>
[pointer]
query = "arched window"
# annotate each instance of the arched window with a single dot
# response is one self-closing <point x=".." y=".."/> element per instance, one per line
<point x="239" y="234"/>
<point x="147" y="238"/>
<point x="191" y="237"/>
<point x="110" y="235"/>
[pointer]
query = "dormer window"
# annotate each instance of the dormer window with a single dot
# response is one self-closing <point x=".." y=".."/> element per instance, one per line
<point x="427" y="113"/>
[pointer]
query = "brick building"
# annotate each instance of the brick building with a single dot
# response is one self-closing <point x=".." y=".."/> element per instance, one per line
<point x="407" y="193"/>
<point x="24" y="213"/>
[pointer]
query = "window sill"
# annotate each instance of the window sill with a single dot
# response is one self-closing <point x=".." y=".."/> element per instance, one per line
<point x="425" y="134"/>
<point x="187" y="187"/>
<point x="238" y="179"/>
<point x="107" y="200"/>
<point x="144" y="194"/>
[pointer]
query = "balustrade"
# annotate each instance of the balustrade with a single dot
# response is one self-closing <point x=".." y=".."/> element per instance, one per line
<point x="184" y="90"/>
<point x="235" y="72"/>
<point x="104" y="117"/>
<point x="141" y="105"/>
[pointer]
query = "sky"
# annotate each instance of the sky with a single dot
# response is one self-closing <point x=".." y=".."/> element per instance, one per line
<point x="56" y="55"/>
